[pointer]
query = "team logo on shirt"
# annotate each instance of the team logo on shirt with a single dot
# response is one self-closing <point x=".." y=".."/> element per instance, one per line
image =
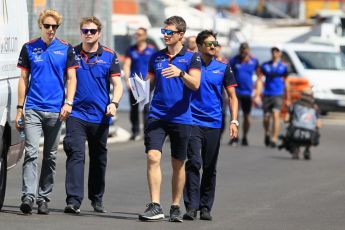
<point x="38" y="58"/>
<point x="58" y="52"/>
<point x="198" y="59"/>
<point x="160" y="59"/>
<point x="182" y="60"/>
<point x="217" y="71"/>
<point x="37" y="51"/>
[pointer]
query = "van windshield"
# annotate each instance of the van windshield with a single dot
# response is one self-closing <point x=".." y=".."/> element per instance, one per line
<point x="322" y="60"/>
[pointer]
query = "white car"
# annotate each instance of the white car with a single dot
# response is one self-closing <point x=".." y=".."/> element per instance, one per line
<point x="323" y="66"/>
<point x="14" y="32"/>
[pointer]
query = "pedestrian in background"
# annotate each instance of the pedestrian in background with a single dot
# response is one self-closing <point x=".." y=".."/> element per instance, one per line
<point x="275" y="72"/>
<point x="245" y="66"/>
<point x="90" y="117"/>
<point x="44" y="62"/>
<point x="137" y="62"/>
<point x="174" y="73"/>
<point x="203" y="146"/>
<point x="191" y="44"/>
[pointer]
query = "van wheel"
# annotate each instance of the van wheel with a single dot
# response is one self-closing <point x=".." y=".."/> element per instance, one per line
<point x="3" y="171"/>
<point x="323" y="112"/>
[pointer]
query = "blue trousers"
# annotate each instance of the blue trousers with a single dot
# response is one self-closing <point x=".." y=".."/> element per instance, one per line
<point x="203" y="150"/>
<point x="77" y="133"/>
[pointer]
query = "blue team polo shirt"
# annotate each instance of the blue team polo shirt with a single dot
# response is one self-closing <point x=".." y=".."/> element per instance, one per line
<point x="47" y="66"/>
<point x="140" y="59"/>
<point x="244" y="71"/>
<point x="93" y="77"/>
<point x="207" y="102"/>
<point x="274" y="81"/>
<point x="171" y="97"/>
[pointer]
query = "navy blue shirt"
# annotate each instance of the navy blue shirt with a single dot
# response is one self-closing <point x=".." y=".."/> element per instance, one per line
<point x="274" y="81"/>
<point x="207" y="102"/>
<point x="244" y="71"/>
<point x="47" y="66"/>
<point x="171" y="97"/>
<point x="140" y="59"/>
<point x="93" y="77"/>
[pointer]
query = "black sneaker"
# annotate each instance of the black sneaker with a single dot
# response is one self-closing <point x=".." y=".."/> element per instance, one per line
<point x="42" y="207"/>
<point x="26" y="206"/>
<point x="306" y="154"/>
<point x="233" y="142"/>
<point x="135" y="137"/>
<point x="175" y="214"/>
<point x="190" y="214"/>
<point x="205" y="214"/>
<point x="267" y="140"/>
<point x="98" y="207"/>
<point x="153" y="212"/>
<point x="273" y="144"/>
<point x="70" y="208"/>
<point x="244" y="141"/>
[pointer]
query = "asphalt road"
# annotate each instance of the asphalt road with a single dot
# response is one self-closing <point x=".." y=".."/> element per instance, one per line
<point x="258" y="188"/>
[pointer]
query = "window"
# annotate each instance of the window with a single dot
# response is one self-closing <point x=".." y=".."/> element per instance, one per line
<point x="287" y="60"/>
<point x="321" y="60"/>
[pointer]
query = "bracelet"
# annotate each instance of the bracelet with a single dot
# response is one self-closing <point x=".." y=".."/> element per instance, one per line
<point x="115" y="103"/>
<point x="20" y="107"/>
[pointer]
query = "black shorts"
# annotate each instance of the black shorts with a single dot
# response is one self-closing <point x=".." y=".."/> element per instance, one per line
<point x="272" y="104"/>
<point x="157" y="130"/>
<point x="245" y="103"/>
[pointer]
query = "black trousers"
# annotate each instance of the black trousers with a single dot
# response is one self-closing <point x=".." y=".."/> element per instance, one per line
<point x="77" y="133"/>
<point x="203" y="150"/>
<point x="134" y="114"/>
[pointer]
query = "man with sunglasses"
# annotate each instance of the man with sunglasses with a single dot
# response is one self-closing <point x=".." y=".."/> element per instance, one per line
<point x="90" y="117"/>
<point x="245" y="66"/>
<point x="174" y="73"/>
<point x="44" y="62"/>
<point x="206" y="107"/>
<point x="137" y="62"/>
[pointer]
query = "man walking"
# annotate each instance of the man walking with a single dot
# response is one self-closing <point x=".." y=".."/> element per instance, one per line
<point x="175" y="73"/>
<point x="137" y="62"/>
<point x="245" y="66"/>
<point x="90" y="117"/>
<point x="206" y="107"/>
<point x="45" y="61"/>
<point x="275" y="72"/>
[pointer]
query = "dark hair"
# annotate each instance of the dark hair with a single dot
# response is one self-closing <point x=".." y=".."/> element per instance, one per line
<point x="143" y="29"/>
<point x="203" y="35"/>
<point x="91" y="19"/>
<point x="244" y="46"/>
<point x="275" y="49"/>
<point x="177" y="21"/>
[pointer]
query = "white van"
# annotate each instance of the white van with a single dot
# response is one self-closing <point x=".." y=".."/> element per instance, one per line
<point x="14" y="33"/>
<point x="323" y="66"/>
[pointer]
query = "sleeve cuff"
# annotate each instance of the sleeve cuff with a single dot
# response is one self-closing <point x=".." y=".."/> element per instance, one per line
<point x="22" y="67"/>
<point x="73" y="67"/>
<point x="231" y="86"/>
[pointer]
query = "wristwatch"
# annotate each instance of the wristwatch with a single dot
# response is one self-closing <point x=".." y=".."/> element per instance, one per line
<point x="115" y="103"/>
<point x="235" y="122"/>
<point x="70" y="103"/>
<point x="182" y="73"/>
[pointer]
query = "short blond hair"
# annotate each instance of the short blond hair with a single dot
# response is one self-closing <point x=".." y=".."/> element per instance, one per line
<point x="91" y="19"/>
<point x="49" y="13"/>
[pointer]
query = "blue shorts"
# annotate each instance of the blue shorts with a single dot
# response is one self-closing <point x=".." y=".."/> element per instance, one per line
<point x="157" y="130"/>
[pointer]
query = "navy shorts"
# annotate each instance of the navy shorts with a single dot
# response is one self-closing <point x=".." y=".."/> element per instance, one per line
<point x="272" y="104"/>
<point x="245" y="103"/>
<point x="157" y="130"/>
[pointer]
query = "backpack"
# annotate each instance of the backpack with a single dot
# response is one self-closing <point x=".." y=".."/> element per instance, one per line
<point x="302" y="129"/>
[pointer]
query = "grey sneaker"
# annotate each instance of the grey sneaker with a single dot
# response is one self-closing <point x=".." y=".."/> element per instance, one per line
<point x="98" y="206"/>
<point x="175" y="214"/>
<point x="26" y="206"/>
<point x="70" y="208"/>
<point x="190" y="214"/>
<point x="205" y="214"/>
<point x="42" y="207"/>
<point x="153" y="212"/>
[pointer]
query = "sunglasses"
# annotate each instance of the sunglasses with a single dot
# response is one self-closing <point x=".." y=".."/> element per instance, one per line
<point x="168" y="32"/>
<point x="47" y="26"/>
<point x="86" y="31"/>
<point x="210" y="43"/>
